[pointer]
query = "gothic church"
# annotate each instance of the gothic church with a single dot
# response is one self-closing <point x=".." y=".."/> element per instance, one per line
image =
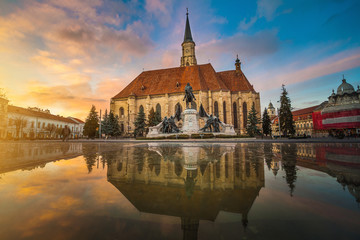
<point x="227" y="94"/>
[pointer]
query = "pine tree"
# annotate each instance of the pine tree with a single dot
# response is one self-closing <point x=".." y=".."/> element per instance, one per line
<point x="266" y="123"/>
<point x="105" y="125"/>
<point x="114" y="127"/>
<point x="286" y="117"/>
<point x="140" y="124"/>
<point x="91" y="123"/>
<point x="251" y="127"/>
<point x="154" y="118"/>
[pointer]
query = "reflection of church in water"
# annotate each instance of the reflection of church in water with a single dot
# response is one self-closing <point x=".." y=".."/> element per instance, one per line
<point x="191" y="182"/>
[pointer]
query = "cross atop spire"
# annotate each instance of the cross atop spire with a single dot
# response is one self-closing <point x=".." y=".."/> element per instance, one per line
<point x="187" y="35"/>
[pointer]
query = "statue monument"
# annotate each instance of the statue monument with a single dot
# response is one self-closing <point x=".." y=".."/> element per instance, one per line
<point x="190" y="121"/>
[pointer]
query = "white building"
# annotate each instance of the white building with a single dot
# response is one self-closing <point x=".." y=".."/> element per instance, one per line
<point x="38" y="123"/>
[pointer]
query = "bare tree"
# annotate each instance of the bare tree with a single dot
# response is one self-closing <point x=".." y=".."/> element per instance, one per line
<point x="20" y="122"/>
<point x="51" y="129"/>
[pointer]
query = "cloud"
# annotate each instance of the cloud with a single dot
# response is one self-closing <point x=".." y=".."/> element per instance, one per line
<point x="247" y="46"/>
<point x="342" y="61"/>
<point x="267" y="8"/>
<point x="243" y="25"/>
<point x="162" y="10"/>
<point x="219" y="20"/>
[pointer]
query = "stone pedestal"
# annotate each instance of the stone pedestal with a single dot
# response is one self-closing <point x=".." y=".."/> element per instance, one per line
<point x="190" y="121"/>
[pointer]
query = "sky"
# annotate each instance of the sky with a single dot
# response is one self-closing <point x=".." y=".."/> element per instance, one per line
<point x="67" y="55"/>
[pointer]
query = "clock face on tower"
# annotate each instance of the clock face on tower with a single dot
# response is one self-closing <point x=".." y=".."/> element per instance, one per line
<point x="187" y="50"/>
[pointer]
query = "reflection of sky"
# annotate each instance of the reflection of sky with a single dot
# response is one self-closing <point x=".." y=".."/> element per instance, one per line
<point x="62" y="201"/>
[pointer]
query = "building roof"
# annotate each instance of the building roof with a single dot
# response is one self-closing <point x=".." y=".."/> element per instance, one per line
<point x="298" y="113"/>
<point x="235" y="81"/>
<point x="304" y="111"/>
<point x="76" y="120"/>
<point x="31" y="113"/>
<point x="173" y="80"/>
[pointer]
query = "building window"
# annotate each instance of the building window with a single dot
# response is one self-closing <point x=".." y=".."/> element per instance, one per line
<point x="141" y="108"/>
<point x="235" y="115"/>
<point x="121" y="112"/>
<point x="158" y="110"/>
<point x="216" y="109"/>
<point x="224" y="111"/>
<point x="245" y="114"/>
<point x="122" y="127"/>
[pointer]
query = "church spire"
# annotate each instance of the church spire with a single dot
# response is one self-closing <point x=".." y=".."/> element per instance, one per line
<point x="188" y="46"/>
<point x="237" y="64"/>
<point x="187" y="35"/>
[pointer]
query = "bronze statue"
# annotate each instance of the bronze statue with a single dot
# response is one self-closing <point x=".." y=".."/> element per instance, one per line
<point x="189" y="95"/>
<point x="212" y="122"/>
<point x="172" y="125"/>
<point x="169" y="126"/>
<point x="165" y="125"/>
<point x="208" y="124"/>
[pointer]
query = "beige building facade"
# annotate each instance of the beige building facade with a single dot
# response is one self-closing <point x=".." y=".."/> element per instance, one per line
<point x="228" y="94"/>
<point x="3" y="116"/>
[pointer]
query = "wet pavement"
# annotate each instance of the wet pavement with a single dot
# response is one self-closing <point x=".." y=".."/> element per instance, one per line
<point x="179" y="190"/>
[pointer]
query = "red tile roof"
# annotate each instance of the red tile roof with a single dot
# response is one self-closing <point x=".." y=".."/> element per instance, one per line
<point x="303" y="111"/>
<point x="31" y="113"/>
<point x="201" y="77"/>
<point x="235" y="81"/>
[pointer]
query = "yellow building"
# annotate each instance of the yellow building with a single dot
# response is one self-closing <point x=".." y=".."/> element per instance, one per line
<point x="227" y="94"/>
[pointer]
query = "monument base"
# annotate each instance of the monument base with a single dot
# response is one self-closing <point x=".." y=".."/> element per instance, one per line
<point x="190" y="121"/>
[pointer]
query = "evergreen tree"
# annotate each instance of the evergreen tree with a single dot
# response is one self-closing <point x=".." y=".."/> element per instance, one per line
<point x="286" y="117"/>
<point x="105" y="125"/>
<point x="140" y="124"/>
<point x="251" y="127"/>
<point x="266" y="123"/>
<point x="154" y="118"/>
<point x="91" y="123"/>
<point x="114" y="127"/>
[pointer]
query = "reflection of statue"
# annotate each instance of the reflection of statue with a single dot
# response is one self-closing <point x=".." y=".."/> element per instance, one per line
<point x="189" y="96"/>
<point x="190" y="182"/>
<point x="180" y="191"/>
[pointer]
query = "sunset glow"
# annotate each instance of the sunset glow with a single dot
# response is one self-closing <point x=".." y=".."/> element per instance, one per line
<point x="67" y="55"/>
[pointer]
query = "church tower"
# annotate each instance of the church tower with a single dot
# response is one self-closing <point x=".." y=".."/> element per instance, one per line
<point x="188" y="46"/>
